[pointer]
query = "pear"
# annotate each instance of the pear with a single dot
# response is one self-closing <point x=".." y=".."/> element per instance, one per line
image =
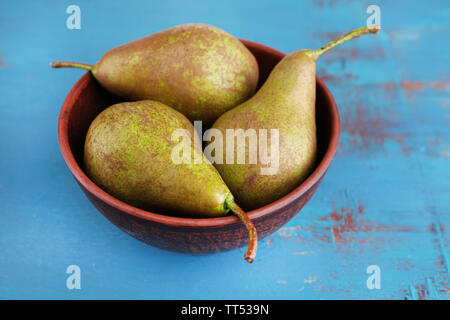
<point x="200" y="70"/>
<point x="132" y="152"/>
<point x="286" y="103"/>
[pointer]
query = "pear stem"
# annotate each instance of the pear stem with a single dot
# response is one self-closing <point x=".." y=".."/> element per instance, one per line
<point x="62" y="64"/>
<point x="315" y="54"/>
<point x="253" y="238"/>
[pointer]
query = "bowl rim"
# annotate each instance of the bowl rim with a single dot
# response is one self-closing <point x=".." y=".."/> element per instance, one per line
<point x="92" y="188"/>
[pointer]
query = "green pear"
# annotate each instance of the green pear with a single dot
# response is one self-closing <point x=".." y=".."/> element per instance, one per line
<point x="200" y="70"/>
<point x="286" y="103"/>
<point x="145" y="154"/>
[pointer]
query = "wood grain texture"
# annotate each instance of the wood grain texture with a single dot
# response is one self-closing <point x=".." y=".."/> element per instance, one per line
<point x="384" y="201"/>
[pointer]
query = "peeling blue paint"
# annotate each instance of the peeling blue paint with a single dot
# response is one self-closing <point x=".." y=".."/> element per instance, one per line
<point x="391" y="171"/>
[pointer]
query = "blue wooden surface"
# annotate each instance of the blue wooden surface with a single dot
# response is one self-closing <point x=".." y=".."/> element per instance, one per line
<point x="385" y="200"/>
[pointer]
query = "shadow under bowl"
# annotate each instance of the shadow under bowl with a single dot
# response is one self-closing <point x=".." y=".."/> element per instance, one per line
<point x="197" y="236"/>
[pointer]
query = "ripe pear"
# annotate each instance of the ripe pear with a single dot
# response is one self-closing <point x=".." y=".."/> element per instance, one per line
<point x="200" y="70"/>
<point x="285" y="102"/>
<point x="131" y="154"/>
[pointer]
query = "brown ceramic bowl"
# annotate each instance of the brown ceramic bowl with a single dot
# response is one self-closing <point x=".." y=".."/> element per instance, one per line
<point x="87" y="99"/>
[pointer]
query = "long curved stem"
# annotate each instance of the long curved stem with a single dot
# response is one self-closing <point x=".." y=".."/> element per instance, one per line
<point x="315" y="54"/>
<point x="253" y="238"/>
<point x="62" y="64"/>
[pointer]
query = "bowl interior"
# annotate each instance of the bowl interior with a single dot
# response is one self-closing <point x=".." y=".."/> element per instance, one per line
<point x="87" y="99"/>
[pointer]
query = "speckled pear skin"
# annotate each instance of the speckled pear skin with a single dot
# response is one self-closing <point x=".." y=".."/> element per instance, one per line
<point x="285" y="102"/>
<point x="127" y="153"/>
<point x="200" y="70"/>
